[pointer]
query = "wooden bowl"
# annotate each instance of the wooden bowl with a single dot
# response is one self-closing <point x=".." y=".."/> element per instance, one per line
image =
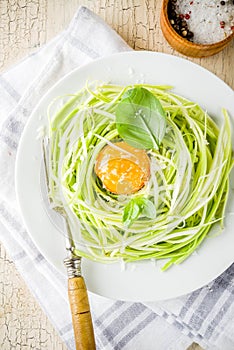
<point x="184" y="46"/>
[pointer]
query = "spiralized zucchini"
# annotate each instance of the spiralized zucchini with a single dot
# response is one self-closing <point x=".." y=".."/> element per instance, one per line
<point x="188" y="183"/>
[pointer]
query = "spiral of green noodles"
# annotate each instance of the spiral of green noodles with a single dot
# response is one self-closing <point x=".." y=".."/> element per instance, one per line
<point x="188" y="183"/>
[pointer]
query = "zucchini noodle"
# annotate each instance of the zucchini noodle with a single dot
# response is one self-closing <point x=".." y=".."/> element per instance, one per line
<point x="189" y="177"/>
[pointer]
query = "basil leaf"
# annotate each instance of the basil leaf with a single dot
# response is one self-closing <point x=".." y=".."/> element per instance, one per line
<point x="148" y="208"/>
<point x="131" y="213"/>
<point x="136" y="207"/>
<point x="140" y="119"/>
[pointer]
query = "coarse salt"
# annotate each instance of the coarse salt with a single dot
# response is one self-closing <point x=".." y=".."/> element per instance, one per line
<point x="209" y="21"/>
<point x="131" y="71"/>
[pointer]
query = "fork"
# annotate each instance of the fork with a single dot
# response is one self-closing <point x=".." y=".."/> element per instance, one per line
<point x="77" y="292"/>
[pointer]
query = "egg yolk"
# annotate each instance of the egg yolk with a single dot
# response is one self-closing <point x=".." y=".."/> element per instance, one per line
<point x="122" y="168"/>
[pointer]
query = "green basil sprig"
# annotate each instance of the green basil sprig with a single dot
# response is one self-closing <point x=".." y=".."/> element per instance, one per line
<point x="141" y="119"/>
<point x="139" y="206"/>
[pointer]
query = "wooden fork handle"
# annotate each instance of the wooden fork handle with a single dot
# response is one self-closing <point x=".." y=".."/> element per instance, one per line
<point x="81" y="316"/>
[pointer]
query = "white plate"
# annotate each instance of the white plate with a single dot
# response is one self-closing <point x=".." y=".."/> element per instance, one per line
<point x="141" y="281"/>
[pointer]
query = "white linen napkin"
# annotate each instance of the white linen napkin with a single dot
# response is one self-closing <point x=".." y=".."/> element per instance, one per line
<point x="205" y="316"/>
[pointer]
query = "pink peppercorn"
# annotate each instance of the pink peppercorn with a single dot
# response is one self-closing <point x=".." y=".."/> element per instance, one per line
<point x="187" y="16"/>
<point x="222" y="24"/>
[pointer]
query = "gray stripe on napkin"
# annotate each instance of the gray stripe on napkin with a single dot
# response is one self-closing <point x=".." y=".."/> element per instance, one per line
<point x="209" y="301"/>
<point x="178" y="325"/>
<point x="66" y="329"/>
<point x="175" y="321"/>
<point x="9" y="218"/>
<point x="8" y="141"/>
<point x="183" y="327"/>
<point x="15" y="126"/>
<point x="136" y="330"/>
<point x="219" y="316"/>
<point x="83" y="47"/>
<point x="109" y="312"/>
<point x="16" y="226"/>
<point x="19" y="255"/>
<point x="191" y="299"/>
<point x="9" y="89"/>
<point x="123" y="320"/>
<point x="39" y="258"/>
<point x="70" y="343"/>
<point x="223" y="282"/>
